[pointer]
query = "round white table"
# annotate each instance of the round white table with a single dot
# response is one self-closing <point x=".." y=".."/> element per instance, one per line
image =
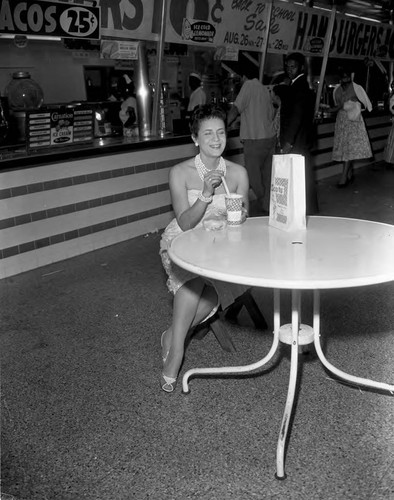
<point x="331" y="253"/>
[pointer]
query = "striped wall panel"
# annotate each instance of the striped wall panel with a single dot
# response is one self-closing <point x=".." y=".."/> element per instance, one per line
<point x="52" y="212"/>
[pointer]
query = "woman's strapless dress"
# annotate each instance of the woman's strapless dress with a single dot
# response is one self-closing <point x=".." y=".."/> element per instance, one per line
<point x="176" y="275"/>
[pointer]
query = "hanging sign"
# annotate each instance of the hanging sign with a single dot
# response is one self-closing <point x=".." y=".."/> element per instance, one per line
<point x="198" y="31"/>
<point x="297" y="29"/>
<point x="18" y="17"/>
<point x="137" y="19"/>
<point x="210" y="23"/>
<point x="236" y="24"/>
<point x="354" y="38"/>
<point x="240" y="24"/>
<point x="226" y="54"/>
<point x="302" y="29"/>
<point x="119" y="49"/>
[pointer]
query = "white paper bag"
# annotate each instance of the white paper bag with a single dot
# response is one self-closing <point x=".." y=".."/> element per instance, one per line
<point x="287" y="203"/>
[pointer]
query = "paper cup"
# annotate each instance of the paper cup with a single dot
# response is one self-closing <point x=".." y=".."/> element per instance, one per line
<point x="234" y="209"/>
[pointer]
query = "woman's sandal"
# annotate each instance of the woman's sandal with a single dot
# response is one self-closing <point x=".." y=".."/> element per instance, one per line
<point x="167" y="383"/>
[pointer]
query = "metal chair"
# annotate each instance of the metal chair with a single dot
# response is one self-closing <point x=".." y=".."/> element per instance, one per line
<point x="217" y="322"/>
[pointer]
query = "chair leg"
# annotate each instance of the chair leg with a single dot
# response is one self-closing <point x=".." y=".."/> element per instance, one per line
<point x="222" y="334"/>
<point x="215" y="324"/>
<point x="233" y="310"/>
<point x="254" y="311"/>
<point x="199" y="333"/>
<point x="218" y="328"/>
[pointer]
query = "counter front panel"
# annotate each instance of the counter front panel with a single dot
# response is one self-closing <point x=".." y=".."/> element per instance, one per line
<point x="59" y="210"/>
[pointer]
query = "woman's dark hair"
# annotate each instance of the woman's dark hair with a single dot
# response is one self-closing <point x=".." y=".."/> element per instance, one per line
<point x="205" y="112"/>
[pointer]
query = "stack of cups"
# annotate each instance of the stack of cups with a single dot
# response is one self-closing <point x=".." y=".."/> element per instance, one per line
<point x="234" y="209"/>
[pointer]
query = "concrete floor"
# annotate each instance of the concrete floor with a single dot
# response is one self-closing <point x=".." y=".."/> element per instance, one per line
<point x="83" y="416"/>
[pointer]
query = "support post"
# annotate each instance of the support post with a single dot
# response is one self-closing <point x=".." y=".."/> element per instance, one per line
<point x="325" y="58"/>
<point x="265" y="42"/>
<point x="159" y="62"/>
<point x="295" y="326"/>
<point x="143" y="94"/>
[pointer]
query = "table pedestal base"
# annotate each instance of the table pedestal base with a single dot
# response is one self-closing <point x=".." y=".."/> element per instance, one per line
<point x="305" y="334"/>
<point x="295" y="335"/>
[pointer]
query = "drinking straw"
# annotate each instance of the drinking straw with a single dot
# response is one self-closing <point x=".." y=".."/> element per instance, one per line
<point x="225" y="186"/>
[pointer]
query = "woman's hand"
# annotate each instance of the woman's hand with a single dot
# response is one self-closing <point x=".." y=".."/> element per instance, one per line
<point x="244" y="215"/>
<point x="286" y="148"/>
<point x="212" y="180"/>
<point x="334" y="109"/>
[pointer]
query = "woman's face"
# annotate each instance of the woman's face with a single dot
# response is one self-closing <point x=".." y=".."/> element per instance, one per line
<point x="345" y="78"/>
<point x="211" y="137"/>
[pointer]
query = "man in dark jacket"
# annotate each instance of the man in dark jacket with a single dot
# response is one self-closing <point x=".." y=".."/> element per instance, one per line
<point x="297" y="127"/>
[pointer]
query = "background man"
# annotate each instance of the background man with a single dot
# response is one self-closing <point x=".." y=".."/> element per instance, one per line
<point x="257" y="133"/>
<point x="296" y="126"/>
<point x="198" y="96"/>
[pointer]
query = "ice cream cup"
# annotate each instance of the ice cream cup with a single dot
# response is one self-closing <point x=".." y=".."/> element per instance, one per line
<point x="234" y="209"/>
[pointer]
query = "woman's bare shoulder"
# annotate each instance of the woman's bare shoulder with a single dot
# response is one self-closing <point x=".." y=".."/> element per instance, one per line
<point x="235" y="167"/>
<point x="183" y="166"/>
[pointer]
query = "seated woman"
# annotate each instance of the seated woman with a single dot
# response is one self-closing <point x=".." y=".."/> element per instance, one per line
<point x="197" y="193"/>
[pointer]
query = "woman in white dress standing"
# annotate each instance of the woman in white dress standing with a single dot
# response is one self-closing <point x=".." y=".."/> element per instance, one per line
<point x="351" y="141"/>
<point x="388" y="154"/>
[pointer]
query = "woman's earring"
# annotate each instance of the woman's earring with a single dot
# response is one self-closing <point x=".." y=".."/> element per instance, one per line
<point x="196" y="143"/>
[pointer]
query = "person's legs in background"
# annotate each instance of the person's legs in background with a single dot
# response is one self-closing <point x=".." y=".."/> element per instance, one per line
<point x="312" y="204"/>
<point x="258" y="162"/>
<point x="252" y="165"/>
<point x="266" y="170"/>
<point x="347" y="174"/>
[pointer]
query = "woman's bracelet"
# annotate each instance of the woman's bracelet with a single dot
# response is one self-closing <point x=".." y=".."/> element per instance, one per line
<point x="204" y="198"/>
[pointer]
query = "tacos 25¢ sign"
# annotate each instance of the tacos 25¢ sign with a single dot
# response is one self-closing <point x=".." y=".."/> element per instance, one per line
<point x="37" y="17"/>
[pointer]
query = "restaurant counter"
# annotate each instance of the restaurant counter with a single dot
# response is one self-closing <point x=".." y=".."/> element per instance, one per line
<point x="64" y="202"/>
<point x="16" y="156"/>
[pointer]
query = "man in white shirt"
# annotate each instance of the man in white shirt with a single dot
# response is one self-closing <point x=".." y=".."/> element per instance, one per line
<point x="257" y="134"/>
<point x="198" y="96"/>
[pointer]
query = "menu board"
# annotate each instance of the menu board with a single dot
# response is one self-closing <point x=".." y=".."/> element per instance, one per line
<point x="59" y="126"/>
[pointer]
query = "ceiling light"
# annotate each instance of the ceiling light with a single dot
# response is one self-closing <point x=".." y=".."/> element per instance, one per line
<point x="33" y="37"/>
